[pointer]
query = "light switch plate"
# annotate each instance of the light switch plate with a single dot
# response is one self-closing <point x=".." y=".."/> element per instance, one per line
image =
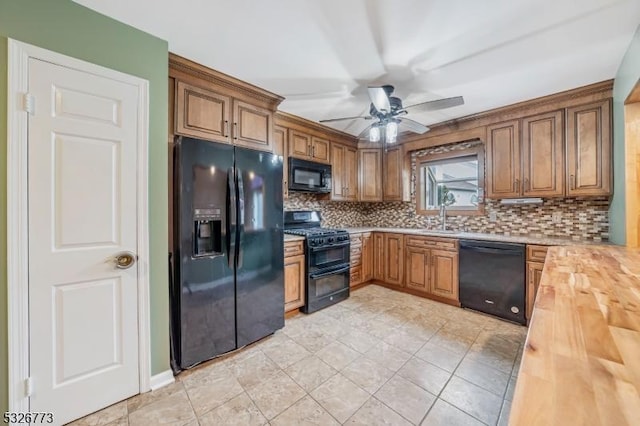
<point x="493" y="217"/>
<point x="556" y="217"/>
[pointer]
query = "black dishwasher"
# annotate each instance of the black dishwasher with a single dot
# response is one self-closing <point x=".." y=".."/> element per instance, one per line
<point x="492" y="278"/>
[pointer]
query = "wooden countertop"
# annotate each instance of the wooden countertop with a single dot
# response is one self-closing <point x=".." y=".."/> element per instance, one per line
<point x="522" y="239"/>
<point x="581" y="361"/>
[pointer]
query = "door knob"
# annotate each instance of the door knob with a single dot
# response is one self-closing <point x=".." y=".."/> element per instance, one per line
<point x="125" y="260"/>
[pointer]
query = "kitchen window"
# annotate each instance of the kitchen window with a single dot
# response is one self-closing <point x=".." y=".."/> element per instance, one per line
<point x="455" y="178"/>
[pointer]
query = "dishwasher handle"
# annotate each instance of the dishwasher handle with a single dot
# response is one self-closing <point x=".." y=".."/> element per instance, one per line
<point x="492" y="250"/>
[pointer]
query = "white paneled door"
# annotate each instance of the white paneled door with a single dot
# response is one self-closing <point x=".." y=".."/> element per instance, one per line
<point x="83" y="278"/>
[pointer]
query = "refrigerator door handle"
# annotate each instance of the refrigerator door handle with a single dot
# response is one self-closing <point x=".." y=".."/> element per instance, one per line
<point x="231" y="217"/>
<point x="241" y="216"/>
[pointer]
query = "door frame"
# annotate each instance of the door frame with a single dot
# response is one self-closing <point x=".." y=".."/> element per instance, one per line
<point x="18" y="219"/>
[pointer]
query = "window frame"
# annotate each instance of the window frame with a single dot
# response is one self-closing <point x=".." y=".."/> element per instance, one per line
<point x="463" y="211"/>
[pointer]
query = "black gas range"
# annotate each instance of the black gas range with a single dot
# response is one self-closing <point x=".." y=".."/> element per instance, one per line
<point x="327" y="254"/>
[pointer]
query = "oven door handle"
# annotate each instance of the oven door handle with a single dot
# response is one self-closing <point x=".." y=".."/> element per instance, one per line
<point x="333" y="272"/>
<point x="341" y="245"/>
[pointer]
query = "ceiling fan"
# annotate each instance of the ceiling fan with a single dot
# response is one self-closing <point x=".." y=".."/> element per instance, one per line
<point x="389" y="113"/>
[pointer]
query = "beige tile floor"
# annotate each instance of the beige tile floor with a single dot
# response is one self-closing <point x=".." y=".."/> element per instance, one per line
<point x="380" y="357"/>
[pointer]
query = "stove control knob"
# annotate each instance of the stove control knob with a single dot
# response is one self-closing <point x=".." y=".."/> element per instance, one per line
<point x="330" y="239"/>
<point x="313" y="242"/>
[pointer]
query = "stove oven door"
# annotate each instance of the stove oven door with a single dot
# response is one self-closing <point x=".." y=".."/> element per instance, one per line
<point x="327" y="287"/>
<point x="321" y="258"/>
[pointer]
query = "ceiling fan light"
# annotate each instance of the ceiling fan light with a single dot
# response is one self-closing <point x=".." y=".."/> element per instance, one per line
<point x="391" y="132"/>
<point x="374" y="134"/>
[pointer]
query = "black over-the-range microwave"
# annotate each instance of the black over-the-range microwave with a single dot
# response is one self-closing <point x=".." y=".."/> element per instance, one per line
<point x="309" y="176"/>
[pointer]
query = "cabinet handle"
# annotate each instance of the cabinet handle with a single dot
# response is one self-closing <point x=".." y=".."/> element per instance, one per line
<point x="516" y="185"/>
<point x="526" y="184"/>
<point x="313" y="151"/>
<point x="573" y="181"/>
<point x="235" y="131"/>
<point x="226" y="129"/>
<point x="309" y="150"/>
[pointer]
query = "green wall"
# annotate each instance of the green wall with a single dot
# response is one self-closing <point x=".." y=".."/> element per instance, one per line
<point x="71" y="29"/>
<point x="626" y="78"/>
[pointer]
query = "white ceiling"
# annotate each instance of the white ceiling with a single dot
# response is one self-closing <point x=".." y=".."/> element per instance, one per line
<point x="321" y="54"/>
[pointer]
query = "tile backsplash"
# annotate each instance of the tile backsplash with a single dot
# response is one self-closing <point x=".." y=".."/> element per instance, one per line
<point x="579" y="218"/>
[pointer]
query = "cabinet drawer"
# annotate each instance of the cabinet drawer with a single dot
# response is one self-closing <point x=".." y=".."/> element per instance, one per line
<point x="431" y="242"/>
<point x="293" y="248"/>
<point x="536" y="253"/>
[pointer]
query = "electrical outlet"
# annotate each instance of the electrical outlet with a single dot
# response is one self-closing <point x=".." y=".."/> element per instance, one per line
<point x="556" y="217"/>
<point x="493" y="217"/>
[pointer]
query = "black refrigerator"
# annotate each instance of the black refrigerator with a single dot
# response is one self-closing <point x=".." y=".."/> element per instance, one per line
<point x="228" y="282"/>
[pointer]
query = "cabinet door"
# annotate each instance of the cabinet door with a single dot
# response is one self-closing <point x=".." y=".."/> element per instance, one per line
<point x="416" y="273"/>
<point x="503" y="160"/>
<point x="378" y="256"/>
<point x="202" y="113"/>
<point x="395" y="182"/>
<point x="394" y="259"/>
<point x="534" y="273"/>
<point x="370" y="170"/>
<point x="338" y="179"/>
<point x="299" y="145"/>
<point x="351" y="173"/>
<point x="444" y="274"/>
<point x="589" y="149"/>
<point x="542" y="155"/>
<point x="280" y="148"/>
<point x="293" y="282"/>
<point x="320" y="150"/>
<point x="252" y="126"/>
<point x="367" y="257"/>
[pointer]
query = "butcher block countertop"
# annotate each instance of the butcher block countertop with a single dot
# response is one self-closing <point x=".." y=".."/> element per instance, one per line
<point x="581" y="360"/>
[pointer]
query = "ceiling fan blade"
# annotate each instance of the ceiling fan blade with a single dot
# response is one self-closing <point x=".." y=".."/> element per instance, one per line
<point x="413" y="126"/>
<point x="331" y="120"/>
<point x="379" y="98"/>
<point x="437" y="104"/>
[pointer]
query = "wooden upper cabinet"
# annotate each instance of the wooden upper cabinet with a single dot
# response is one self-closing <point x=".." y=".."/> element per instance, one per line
<point x="202" y="113"/>
<point x="320" y="150"/>
<point x="280" y="148"/>
<point x="367" y="257"/>
<point x="299" y="144"/>
<point x="378" y="256"/>
<point x="543" y="155"/>
<point x="417" y="269"/>
<point x="252" y="126"/>
<point x="394" y="259"/>
<point x="589" y="149"/>
<point x="370" y="174"/>
<point x="307" y="147"/>
<point x="395" y="185"/>
<point x="351" y="173"/>
<point x="444" y="274"/>
<point x="338" y="180"/>
<point x="344" y="172"/>
<point x="503" y="160"/>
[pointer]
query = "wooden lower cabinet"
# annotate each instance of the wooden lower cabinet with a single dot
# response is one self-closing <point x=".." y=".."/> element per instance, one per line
<point x="534" y="273"/>
<point x="417" y="269"/>
<point x="294" y="275"/>
<point x="393" y="259"/>
<point x="378" y="256"/>
<point x="367" y="257"/>
<point x="444" y="274"/>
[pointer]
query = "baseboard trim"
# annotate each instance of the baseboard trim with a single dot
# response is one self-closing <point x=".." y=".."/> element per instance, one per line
<point x="163" y="379"/>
